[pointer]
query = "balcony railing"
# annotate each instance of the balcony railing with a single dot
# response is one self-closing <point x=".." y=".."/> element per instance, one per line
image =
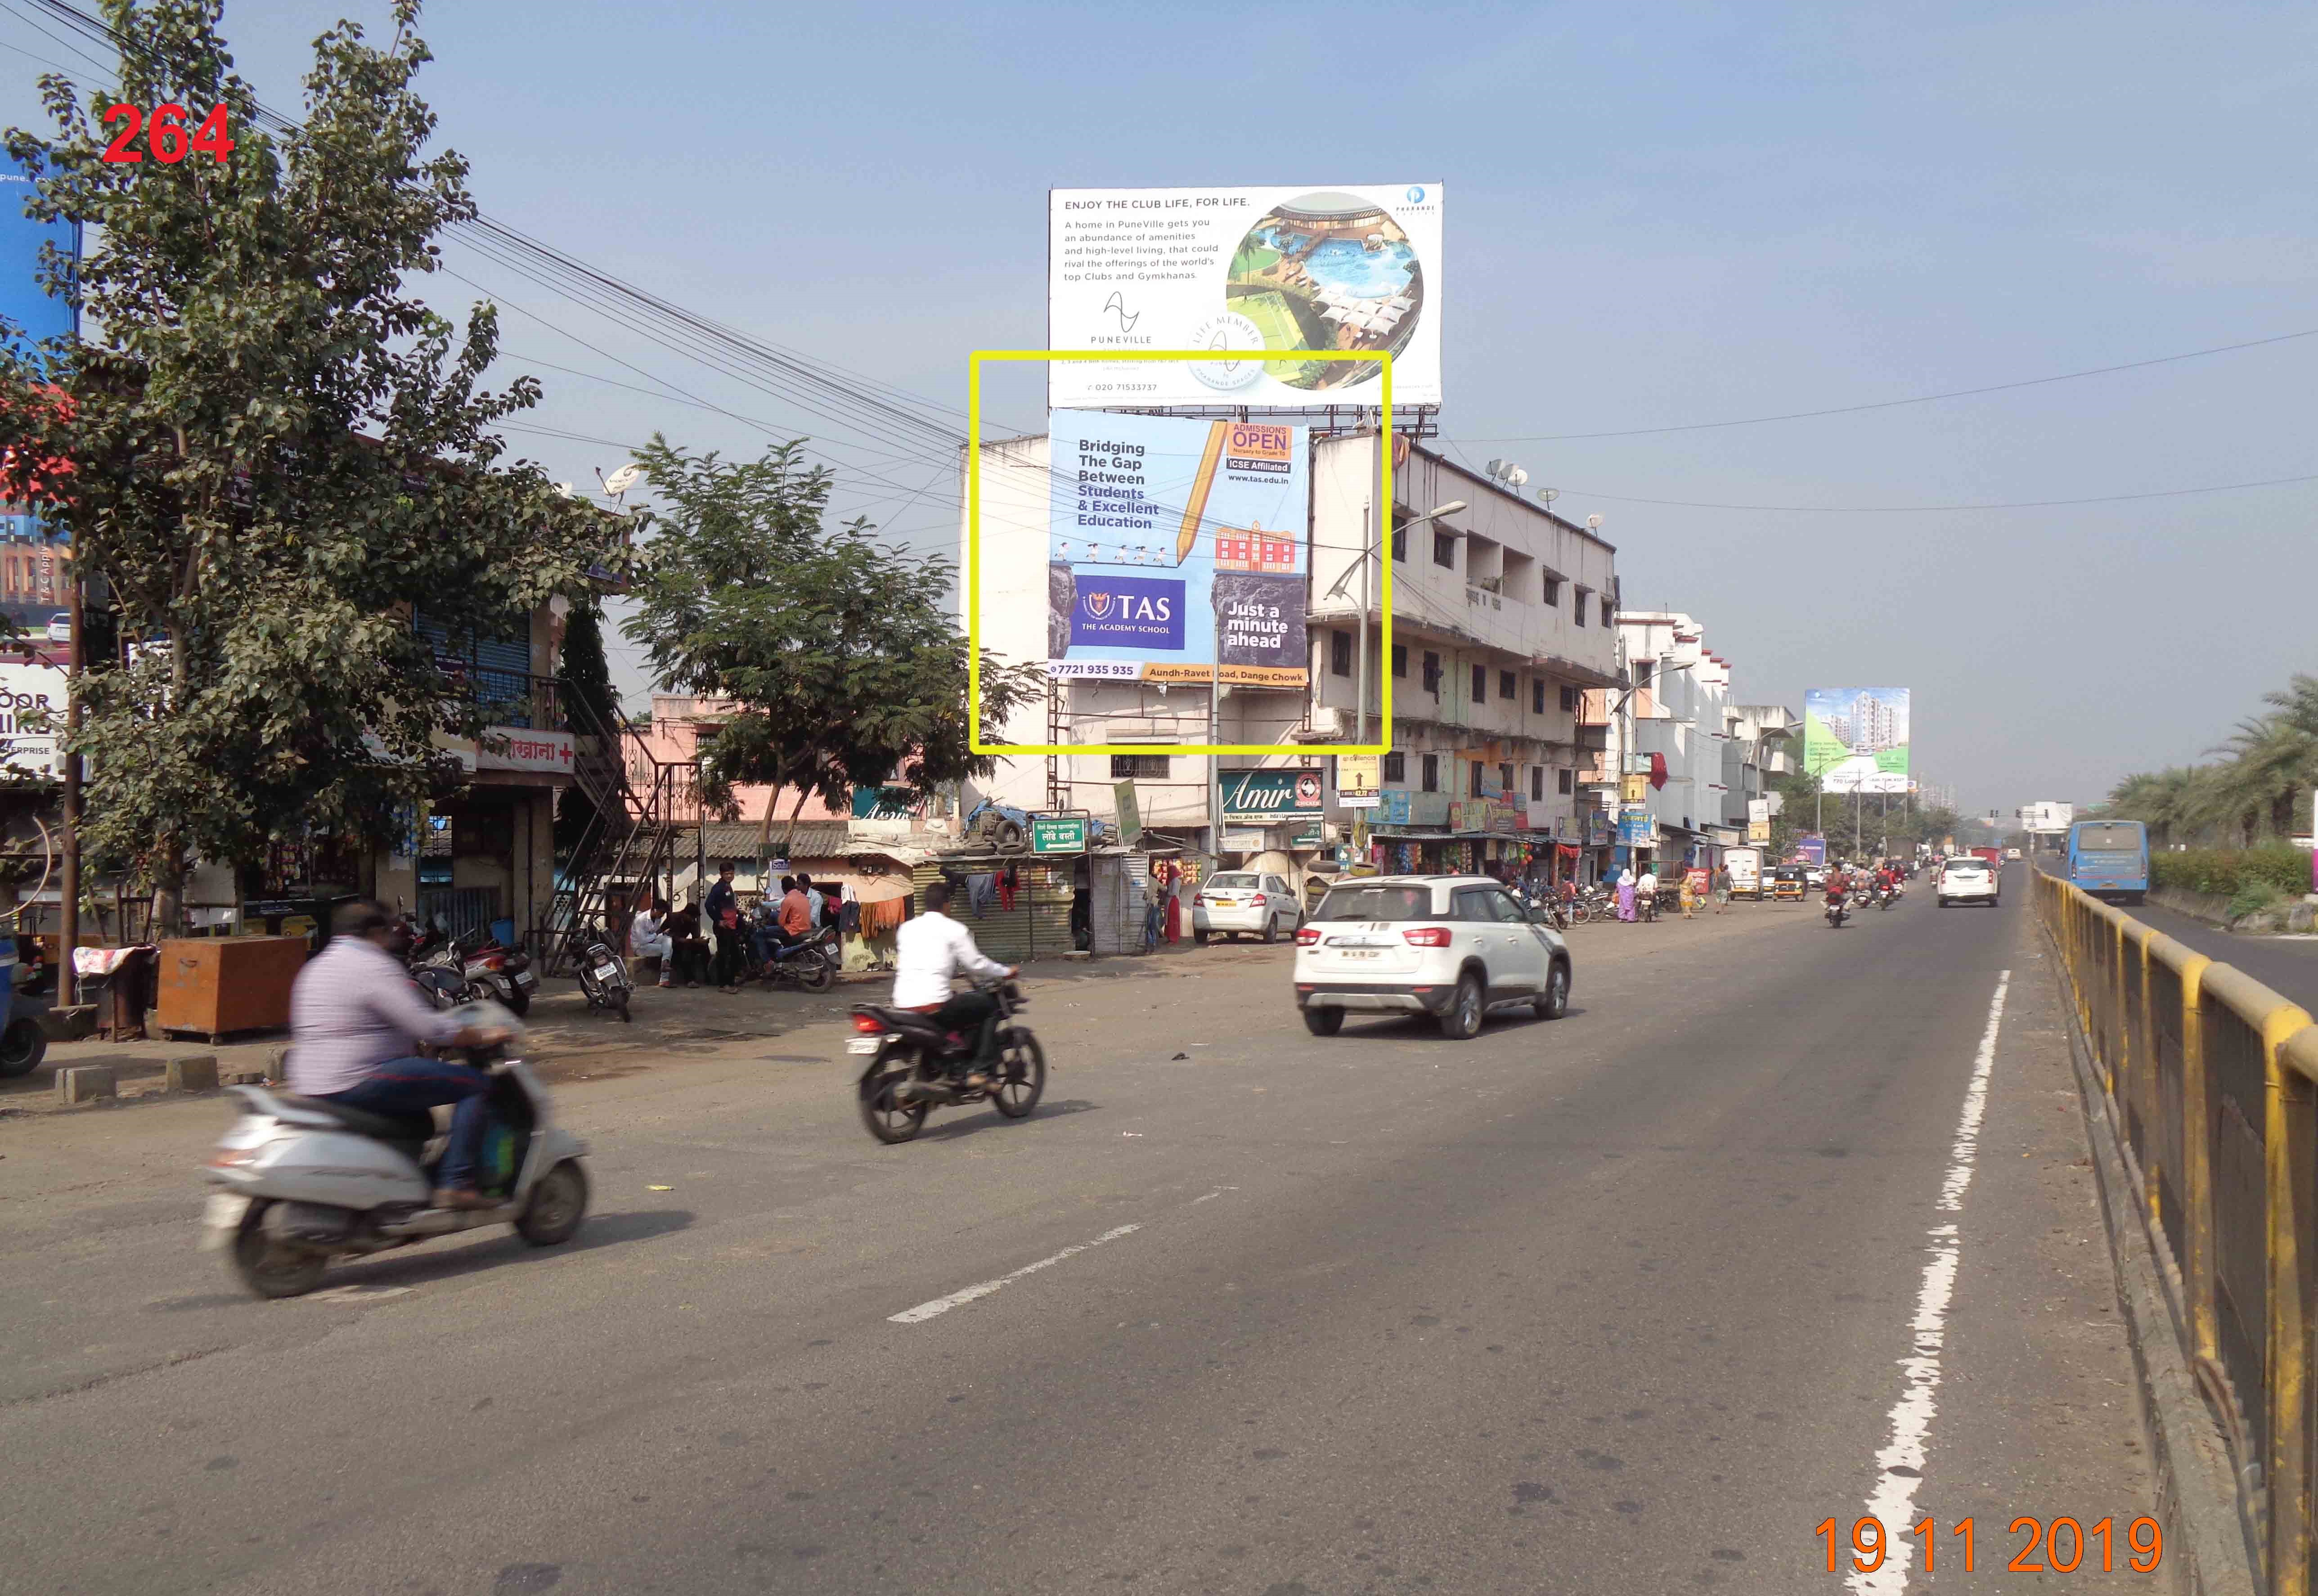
<point x="509" y="697"/>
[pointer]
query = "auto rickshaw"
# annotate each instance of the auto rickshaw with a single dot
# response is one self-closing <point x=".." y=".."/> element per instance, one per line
<point x="1787" y="885"/>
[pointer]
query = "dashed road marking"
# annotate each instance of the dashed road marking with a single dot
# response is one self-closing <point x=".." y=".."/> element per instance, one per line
<point x="958" y="1299"/>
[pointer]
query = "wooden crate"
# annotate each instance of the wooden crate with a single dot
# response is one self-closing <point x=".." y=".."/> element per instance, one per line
<point x="212" y="986"/>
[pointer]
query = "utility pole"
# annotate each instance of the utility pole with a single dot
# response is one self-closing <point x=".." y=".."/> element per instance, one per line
<point x="1215" y="761"/>
<point x="68" y="889"/>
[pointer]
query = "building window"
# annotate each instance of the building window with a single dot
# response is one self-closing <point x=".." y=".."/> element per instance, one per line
<point x="1570" y="699"/>
<point x="1606" y="609"/>
<point x="1396" y="766"/>
<point x="1400" y="660"/>
<point x="1505" y="779"/>
<point x="1473" y="779"/>
<point x="1552" y="592"/>
<point x="1432" y="772"/>
<point x="1480" y="684"/>
<point x="1127" y="767"/>
<point x="1577" y="609"/>
<point x="1444" y="548"/>
<point x="1643" y="670"/>
<point x="1567" y="778"/>
<point x="1537" y="781"/>
<point x="1506" y="687"/>
<point x="1340" y="653"/>
<point x="1537" y="695"/>
<point x="1400" y="543"/>
<point x="1432" y="677"/>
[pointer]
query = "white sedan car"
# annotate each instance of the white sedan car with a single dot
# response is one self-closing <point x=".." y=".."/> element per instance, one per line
<point x="1968" y="880"/>
<point x="1244" y="903"/>
<point x="1452" y="947"/>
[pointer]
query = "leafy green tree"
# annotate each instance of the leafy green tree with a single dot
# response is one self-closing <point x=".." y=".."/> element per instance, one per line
<point x="275" y="448"/>
<point x="584" y="678"/>
<point x="836" y="660"/>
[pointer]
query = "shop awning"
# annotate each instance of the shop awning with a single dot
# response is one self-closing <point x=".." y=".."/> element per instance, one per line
<point x="1412" y="835"/>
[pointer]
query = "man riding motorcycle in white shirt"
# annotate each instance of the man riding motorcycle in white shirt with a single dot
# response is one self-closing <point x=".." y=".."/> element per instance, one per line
<point x="928" y="950"/>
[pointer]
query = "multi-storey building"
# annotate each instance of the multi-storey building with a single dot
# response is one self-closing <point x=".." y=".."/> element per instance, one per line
<point x="1503" y="617"/>
<point x="1665" y="772"/>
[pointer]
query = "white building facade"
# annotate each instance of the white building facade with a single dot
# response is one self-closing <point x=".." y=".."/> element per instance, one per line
<point x="1502" y="618"/>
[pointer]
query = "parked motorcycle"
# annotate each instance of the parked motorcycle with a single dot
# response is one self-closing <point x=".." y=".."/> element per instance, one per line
<point x="604" y="978"/>
<point x="910" y="1060"/>
<point x="435" y="966"/>
<point x="810" y="963"/>
<point x="300" y="1181"/>
<point x="501" y="974"/>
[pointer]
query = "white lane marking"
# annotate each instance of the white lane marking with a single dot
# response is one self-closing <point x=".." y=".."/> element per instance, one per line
<point x="958" y="1299"/>
<point x="1893" y="1499"/>
<point x="1211" y="1196"/>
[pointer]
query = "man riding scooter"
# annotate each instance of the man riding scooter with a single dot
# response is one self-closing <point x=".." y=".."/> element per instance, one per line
<point x="356" y="1027"/>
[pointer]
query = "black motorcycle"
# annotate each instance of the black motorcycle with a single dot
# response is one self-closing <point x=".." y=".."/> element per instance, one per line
<point x="811" y="962"/>
<point x="913" y="1065"/>
<point x="604" y="978"/>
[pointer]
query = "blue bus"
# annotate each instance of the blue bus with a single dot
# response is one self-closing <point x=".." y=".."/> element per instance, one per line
<point x="2110" y="859"/>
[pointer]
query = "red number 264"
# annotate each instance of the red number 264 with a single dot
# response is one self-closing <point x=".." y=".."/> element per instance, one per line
<point x="166" y="135"/>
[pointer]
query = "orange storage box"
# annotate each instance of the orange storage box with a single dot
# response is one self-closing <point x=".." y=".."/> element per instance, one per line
<point x="212" y="986"/>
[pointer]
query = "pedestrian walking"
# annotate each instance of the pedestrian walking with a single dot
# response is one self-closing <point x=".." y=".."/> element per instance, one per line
<point x="1721" y="889"/>
<point x="1151" y="913"/>
<point x="1626" y="891"/>
<point x="1689" y="899"/>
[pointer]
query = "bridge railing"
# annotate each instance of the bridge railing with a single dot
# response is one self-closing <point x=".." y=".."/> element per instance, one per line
<point x="2212" y="1081"/>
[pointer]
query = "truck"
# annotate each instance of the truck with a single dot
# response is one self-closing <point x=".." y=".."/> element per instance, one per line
<point x="1746" y="867"/>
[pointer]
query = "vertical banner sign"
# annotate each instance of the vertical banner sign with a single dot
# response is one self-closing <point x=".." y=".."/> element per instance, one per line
<point x="1174" y="547"/>
<point x="1129" y="810"/>
<point x="1855" y="739"/>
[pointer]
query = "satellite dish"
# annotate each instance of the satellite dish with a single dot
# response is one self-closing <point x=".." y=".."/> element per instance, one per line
<point x="567" y="490"/>
<point x="1496" y="468"/>
<point x="620" y="480"/>
<point x="1545" y="495"/>
<point x="1593" y="522"/>
<point x="1517" y="477"/>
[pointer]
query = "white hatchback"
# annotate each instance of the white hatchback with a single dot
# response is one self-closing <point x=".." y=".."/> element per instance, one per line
<point x="1968" y="880"/>
<point x="1244" y="903"/>
<point x="1453" y="947"/>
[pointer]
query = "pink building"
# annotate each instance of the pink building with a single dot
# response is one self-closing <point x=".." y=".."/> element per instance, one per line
<point x="673" y="736"/>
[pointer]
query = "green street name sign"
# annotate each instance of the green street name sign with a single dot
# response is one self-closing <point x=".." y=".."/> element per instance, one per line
<point x="1065" y="834"/>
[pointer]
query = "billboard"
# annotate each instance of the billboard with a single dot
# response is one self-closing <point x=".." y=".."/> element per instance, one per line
<point x="32" y="713"/>
<point x="37" y="314"/>
<point x="1272" y="270"/>
<point x="1170" y="541"/>
<point x="1855" y="739"/>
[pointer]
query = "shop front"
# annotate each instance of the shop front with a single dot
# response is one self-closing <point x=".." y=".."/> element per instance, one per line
<point x="1409" y="834"/>
<point x="1273" y="820"/>
<point x="483" y="858"/>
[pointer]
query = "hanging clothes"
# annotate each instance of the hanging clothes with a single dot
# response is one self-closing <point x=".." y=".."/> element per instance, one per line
<point x="982" y="891"/>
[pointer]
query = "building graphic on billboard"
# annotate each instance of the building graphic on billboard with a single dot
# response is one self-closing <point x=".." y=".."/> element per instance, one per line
<point x="1855" y="739"/>
<point x="1275" y="272"/>
<point x="1172" y="542"/>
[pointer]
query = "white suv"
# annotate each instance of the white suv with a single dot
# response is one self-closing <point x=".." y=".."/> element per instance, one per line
<point x="1966" y="879"/>
<point x="1243" y="902"/>
<point x="1453" y="947"/>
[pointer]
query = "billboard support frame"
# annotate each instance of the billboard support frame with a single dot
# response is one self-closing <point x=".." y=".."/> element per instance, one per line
<point x="974" y="363"/>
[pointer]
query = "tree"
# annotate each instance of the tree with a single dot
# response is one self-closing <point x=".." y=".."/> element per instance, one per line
<point x="584" y="677"/>
<point x="275" y="448"/>
<point x="837" y="657"/>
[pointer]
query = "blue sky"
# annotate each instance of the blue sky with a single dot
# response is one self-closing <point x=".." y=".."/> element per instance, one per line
<point x="1656" y="215"/>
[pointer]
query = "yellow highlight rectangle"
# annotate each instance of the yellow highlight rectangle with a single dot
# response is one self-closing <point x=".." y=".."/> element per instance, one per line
<point x="1381" y="554"/>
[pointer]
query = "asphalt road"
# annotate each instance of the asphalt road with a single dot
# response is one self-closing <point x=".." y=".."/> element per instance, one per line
<point x="1776" y="1222"/>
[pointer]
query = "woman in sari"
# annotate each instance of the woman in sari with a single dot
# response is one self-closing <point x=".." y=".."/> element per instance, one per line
<point x="1626" y="894"/>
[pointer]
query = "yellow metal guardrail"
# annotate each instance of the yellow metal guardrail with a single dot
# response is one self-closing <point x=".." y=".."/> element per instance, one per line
<point x="2213" y="1082"/>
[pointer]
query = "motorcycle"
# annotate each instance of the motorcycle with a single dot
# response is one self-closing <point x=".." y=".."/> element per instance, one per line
<point x="501" y="974"/>
<point x="909" y="1061"/>
<point x="810" y="963"/>
<point x="302" y="1180"/>
<point x="1886" y="896"/>
<point x="1838" y="909"/>
<point x="436" y="967"/>
<point x="604" y="978"/>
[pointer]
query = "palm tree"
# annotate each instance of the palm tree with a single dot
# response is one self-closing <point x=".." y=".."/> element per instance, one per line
<point x="2271" y="760"/>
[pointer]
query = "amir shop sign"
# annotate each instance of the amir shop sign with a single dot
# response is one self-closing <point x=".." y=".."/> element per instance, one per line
<point x="1279" y="796"/>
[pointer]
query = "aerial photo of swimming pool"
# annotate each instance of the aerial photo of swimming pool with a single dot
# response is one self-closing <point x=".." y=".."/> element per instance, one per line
<point x="1327" y="271"/>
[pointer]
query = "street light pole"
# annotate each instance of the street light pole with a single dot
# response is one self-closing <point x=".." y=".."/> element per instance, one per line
<point x="1371" y="545"/>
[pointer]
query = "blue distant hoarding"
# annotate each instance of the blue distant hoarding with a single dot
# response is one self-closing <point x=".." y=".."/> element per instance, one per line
<point x="38" y="314"/>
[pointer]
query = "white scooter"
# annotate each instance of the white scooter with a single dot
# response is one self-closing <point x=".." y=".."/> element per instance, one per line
<point x="303" y="1181"/>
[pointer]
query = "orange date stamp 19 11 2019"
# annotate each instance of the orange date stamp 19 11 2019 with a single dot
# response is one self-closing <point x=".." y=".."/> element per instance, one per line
<point x="2054" y="1546"/>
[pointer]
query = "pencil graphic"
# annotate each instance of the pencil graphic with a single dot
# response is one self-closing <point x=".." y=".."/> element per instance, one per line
<point x="1196" y="509"/>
